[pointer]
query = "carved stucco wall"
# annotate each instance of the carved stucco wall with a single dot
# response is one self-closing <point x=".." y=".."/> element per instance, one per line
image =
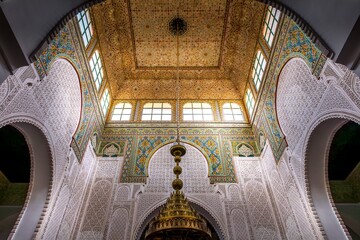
<point x="302" y="100"/>
<point x="294" y="213"/>
<point x="303" y="103"/>
<point x="55" y="102"/>
<point x="268" y="200"/>
<point x="137" y="144"/>
<point x="291" y="42"/>
<point x="64" y="218"/>
<point x="265" y="203"/>
<point x="257" y="203"/>
<point x="67" y="45"/>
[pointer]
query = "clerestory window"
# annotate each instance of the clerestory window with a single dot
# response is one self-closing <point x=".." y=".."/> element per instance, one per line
<point x="122" y="112"/>
<point x="156" y="112"/>
<point x="258" y="69"/>
<point x="86" y="30"/>
<point x="197" y="112"/>
<point x="96" y="69"/>
<point x="105" y="101"/>
<point x="249" y="101"/>
<point x="271" y="22"/>
<point x="232" y="112"/>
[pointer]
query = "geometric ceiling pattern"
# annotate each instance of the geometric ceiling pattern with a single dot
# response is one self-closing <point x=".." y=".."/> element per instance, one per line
<point x="139" y="50"/>
<point x="156" y="47"/>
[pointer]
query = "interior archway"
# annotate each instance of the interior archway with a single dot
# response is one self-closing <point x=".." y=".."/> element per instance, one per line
<point x="316" y="161"/>
<point x="344" y="173"/>
<point x="40" y="180"/>
<point x="14" y="177"/>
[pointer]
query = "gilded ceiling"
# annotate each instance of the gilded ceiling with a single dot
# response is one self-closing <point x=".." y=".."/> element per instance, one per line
<point x="156" y="47"/>
<point x="215" y="52"/>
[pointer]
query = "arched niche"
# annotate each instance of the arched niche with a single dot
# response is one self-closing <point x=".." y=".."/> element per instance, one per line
<point x="41" y="175"/>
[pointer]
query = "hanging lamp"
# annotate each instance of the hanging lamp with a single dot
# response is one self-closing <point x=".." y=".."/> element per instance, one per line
<point x="177" y="220"/>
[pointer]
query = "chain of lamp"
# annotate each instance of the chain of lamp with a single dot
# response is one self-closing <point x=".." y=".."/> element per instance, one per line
<point x="177" y="90"/>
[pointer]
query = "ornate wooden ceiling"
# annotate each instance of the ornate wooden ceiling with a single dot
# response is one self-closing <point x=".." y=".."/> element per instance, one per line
<point x="155" y="47"/>
<point x="139" y="50"/>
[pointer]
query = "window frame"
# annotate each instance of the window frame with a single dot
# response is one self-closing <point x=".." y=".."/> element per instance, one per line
<point x="249" y="102"/>
<point x="258" y="69"/>
<point x="233" y="115"/>
<point x="195" y="117"/>
<point x="105" y="101"/>
<point x="85" y="26"/>
<point x="271" y="22"/>
<point x="96" y="69"/>
<point x="125" y="106"/>
<point x="156" y="112"/>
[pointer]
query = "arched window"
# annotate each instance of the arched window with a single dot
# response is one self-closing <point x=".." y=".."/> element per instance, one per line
<point x="86" y="30"/>
<point x="249" y="101"/>
<point x="96" y="69"/>
<point x="258" y="69"/>
<point x="105" y="101"/>
<point x="232" y="112"/>
<point x="271" y="22"/>
<point x="122" y="112"/>
<point x="197" y="112"/>
<point x="156" y="112"/>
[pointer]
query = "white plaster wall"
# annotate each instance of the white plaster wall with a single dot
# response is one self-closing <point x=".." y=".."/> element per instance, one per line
<point x="295" y="215"/>
<point x="78" y="176"/>
<point x="55" y="104"/>
<point x="257" y="204"/>
<point x="94" y="220"/>
<point x="304" y="102"/>
<point x="266" y="203"/>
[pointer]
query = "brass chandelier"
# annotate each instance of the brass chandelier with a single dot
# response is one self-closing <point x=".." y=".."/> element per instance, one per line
<point x="177" y="220"/>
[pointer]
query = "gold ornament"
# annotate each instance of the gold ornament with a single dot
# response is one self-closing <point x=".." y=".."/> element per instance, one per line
<point x="177" y="220"/>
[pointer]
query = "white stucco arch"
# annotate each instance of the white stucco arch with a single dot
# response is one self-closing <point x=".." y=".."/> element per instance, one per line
<point x="158" y="187"/>
<point x="41" y="175"/>
<point x="318" y="142"/>
<point x="48" y="114"/>
<point x="298" y="93"/>
<point x="310" y="111"/>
